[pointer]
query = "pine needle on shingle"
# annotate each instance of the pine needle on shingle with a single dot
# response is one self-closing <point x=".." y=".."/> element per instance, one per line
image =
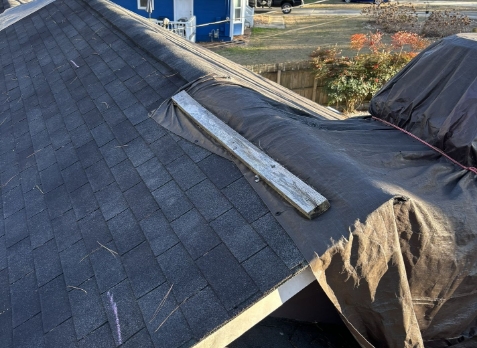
<point x="111" y="251"/>
<point x="76" y="288"/>
<point x="161" y="304"/>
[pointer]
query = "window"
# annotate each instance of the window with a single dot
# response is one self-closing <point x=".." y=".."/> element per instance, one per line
<point x="237" y="10"/>
<point x="141" y="4"/>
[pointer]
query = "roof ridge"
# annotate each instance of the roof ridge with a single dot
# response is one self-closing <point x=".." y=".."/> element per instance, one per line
<point x="18" y="10"/>
<point x="182" y="55"/>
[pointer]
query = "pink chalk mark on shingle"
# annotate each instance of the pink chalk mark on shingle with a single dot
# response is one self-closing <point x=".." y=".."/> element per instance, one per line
<point x="114" y="307"/>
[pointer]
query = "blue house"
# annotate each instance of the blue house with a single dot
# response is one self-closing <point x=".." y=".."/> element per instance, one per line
<point x="197" y="20"/>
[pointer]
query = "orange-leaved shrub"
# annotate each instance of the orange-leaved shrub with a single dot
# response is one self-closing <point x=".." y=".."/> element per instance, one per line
<point x="350" y="80"/>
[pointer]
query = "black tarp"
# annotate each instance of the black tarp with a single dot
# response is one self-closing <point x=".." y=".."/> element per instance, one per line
<point x="396" y="252"/>
<point x="435" y="97"/>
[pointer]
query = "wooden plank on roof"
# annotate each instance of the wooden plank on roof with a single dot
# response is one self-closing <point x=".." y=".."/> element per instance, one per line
<point x="303" y="197"/>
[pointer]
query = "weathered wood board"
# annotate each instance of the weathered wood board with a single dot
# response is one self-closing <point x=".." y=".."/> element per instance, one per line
<point x="303" y="197"/>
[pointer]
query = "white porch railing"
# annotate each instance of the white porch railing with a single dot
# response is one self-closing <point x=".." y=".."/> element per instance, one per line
<point x="185" y="29"/>
<point x="249" y="12"/>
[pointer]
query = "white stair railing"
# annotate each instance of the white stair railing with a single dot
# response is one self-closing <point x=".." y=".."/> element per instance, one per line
<point x="249" y="12"/>
<point x="186" y="29"/>
<point x="190" y="29"/>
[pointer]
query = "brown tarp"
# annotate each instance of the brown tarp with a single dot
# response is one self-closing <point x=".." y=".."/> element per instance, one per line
<point x="396" y="252"/>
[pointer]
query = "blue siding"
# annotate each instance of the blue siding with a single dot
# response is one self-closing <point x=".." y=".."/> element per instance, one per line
<point x="238" y="28"/>
<point x="162" y="8"/>
<point x="206" y="11"/>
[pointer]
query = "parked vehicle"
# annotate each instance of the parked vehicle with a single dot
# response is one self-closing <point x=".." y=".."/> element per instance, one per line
<point x="286" y="5"/>
<point x="373" y="1"/>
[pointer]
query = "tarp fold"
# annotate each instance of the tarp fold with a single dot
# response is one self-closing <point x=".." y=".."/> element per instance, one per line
<point x="396" y="252"/>
<point x="435" y="97"/>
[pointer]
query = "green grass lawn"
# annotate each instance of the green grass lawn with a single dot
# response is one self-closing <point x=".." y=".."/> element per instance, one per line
<point x="302" y="35"/>
<point x="295" y="43"/>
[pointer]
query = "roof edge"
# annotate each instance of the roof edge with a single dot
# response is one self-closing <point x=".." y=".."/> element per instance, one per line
<point x="243" y="322"/>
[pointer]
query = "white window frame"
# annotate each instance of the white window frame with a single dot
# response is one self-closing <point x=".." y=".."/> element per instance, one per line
<point x="240" y="19"/>
<point x="139" y="7"/>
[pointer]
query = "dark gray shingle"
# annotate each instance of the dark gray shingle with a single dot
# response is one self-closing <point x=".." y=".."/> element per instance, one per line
<point x="141" y="201"/>
<point x="74" y="176"/>
<point x="102" y="205"/>
<point x="266" y="269"/>
<point x="221" y="171"/>
<point x="185" y="172"/>
<point x="242" y="240"/>
<point x="12" y="201"/>
<point x="99" y="175"/>
<point x="62" y="335"/>
<point x="47" y="262"/>
<point x="140" y="339"/>
<point x="20" y="260"/>
<point x="25" y="299"/>
<point x="166" y="149"/>
<point x="195" y="234"/>
<point x="57" y="201"/>
<point x="66" y="230"/>
<point x="107" y="266"/>
<point x="111" y="201"/>
<point x="123" y="312"/>
<point x="86" y="307"/>
<point x="39" y="227"/>
<point x="157" y="306"/>
<point x="278" y="240"/>
<point x="6" y="331"/>
<point x="34" y="201"/>
<point x="94" y="230"/>
<point x="29" y="333"/>
<point x="126" y="231"/>
<point x="142" y="269"/>
<point x="204" y="311"/>
<point x="83" y="201"/>
<point x="209" y="200"/>
<point x="138" y="151"/>
<point x="153" y="174"/>
<point x="159" y="233"/>
<point x="101" y="338"/>
<point x="16" y="228"/>
<point x="172" y="201"/>
<point x="76" y="265"/>
<point x="66" y="156"/>
<point x="245" y="200"/>
<point x="185" y="275"/>
<point x="228" y="279"/>
<point x="55" y="305"/>
<point x="3" y="254"/>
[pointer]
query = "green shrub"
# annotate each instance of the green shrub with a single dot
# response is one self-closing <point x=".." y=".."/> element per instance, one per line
<point x="350" y="80"/>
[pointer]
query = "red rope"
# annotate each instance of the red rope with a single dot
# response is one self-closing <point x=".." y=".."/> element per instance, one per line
<point x="472" y="169"/>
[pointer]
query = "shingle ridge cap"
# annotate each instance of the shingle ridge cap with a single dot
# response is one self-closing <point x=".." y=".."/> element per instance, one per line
<point x="151" y="38"/>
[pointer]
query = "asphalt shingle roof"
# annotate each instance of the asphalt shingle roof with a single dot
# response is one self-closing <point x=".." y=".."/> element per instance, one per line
<point x="113" y="230"/>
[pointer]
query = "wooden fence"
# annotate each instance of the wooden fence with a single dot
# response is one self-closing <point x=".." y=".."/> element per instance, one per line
<point x="296" y="76"/>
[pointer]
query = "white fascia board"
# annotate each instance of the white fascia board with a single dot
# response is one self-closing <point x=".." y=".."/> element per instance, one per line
<point x="257" y="312"/>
